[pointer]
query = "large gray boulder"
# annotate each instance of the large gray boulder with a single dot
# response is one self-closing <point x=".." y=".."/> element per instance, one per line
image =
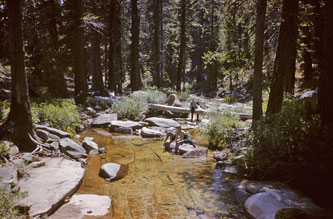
<point x="8" y="175"/>
<point x="71" y="148"/>
<point x="220" y="156"/>
<point x="196" y="152"/>
<point x="89" y="145"/>
<point x="81" y="205"/>
<point x="150" y="133"/>
<point x="266" y="204"/>
<point x="161" y="122"/>
<point x="184" y="148"/>
<point x="104" y="120"/>
<point x="173" y="100"/>
<point x="49" y="185"/>
<point x="54" y="131"/>
<point x="113" y="171"/>
<point x="126" y="124"/>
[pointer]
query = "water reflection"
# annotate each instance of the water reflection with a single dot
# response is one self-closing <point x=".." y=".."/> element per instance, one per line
<point x="159" y="184"/>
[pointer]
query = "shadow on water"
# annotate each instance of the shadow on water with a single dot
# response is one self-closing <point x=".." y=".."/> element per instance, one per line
<point x="159" y="184"/>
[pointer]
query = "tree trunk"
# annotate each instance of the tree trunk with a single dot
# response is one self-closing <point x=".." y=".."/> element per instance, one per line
<point x="78" y="53"/>
<point x="55" y="74"/>
<point x="284" y="64"/>
<point x="182" y="45"/>
<point x="136" y="83"/>
<point x="95" y="57"/>
<point x="326" y="76"/>
<point x="258" y="59"/>
<point x="115" y="48"/>
<point x="20" y="114"/>
<point x="157" y="41"/>
<point x="96" y="64"/>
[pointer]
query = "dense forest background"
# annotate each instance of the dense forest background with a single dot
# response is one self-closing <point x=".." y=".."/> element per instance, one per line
<point x="273" y="50"/>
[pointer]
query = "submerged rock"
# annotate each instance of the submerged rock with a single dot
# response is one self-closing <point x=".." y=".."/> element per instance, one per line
<point x="113" y="171"/>
<point x="81" y="205"/>
<point x="71" y="148"/>
<point x="49" y="185"/>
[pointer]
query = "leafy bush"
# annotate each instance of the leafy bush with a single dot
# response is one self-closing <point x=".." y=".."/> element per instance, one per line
<point x="291" y="148"/>
<point x="93" y="101"/>
<point x="229" y="100"/>
<point x="4" y="149"/>
<point x="221" y="129"/>
<point x="7" y="202"/>
<point x="136" y="104"/>
<point x="60" y="113"/>
<point x="149" y="96"/>
<point x="130" y="108"/>
<point x="4" y="109"/>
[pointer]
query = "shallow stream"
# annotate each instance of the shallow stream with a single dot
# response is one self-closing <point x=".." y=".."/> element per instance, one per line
<point x="159" y="184"/>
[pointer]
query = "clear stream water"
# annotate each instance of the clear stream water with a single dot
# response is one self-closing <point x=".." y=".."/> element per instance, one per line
<point x="159" y="184"/>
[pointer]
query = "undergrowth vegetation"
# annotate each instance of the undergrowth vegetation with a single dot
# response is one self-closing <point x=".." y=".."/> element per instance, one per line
<point x="7" y="202"/>
<point x="221" y="129"/>
<point x="291" y="147"/>
<point x="136" y="104"/>
<point x="58" y="113"/>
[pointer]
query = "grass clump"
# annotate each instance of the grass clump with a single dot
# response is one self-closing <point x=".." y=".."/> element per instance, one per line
<point x="59" y="113"/>
<point x="7" y="202"/>
<point x="150" y="96"/>
<point x="136" y="104"/>
<point x="221" y="129"/>
<point x="4" y="109"/>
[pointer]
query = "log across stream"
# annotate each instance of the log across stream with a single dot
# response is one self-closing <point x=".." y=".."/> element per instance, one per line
<point x="159" y="184"/>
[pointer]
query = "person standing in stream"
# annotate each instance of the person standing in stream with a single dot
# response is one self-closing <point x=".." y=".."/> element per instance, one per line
<point x="193" y="107"/>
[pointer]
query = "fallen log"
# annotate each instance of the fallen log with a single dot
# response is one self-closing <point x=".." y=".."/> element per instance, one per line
<point x="242" y="116"/>
<point x="175" y="109"/>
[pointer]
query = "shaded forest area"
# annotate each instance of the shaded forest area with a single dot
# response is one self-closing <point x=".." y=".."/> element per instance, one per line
<point x="273" y="50"/>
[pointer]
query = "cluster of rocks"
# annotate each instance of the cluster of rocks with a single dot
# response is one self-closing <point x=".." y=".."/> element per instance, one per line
<point x="57" y="142"/>
<point x="264" y="200"/>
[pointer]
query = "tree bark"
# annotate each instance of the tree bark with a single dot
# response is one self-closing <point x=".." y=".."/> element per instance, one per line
<point x="115" y="48"/>
<point x="157" y="41"/>
<point x="136" y="83"/>
<point x="258" y="59"/>
<point x="55" y="78"/>
<point x="182" y="45"/>
<point x="95" y="58"/>
<point x="284" y="64"/>
<point x="78" y="53"/>
<point x="20" y="114"/>
<point x="326" y="76"/>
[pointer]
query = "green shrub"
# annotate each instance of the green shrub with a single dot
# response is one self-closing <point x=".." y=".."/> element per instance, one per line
<point x="4" y="149"/>
<point x="221" y="129"/>
<point x="97" y="102"/>
<point x="130" y="108"/>
<point x="292" y="148"/>
<point x="149" y="96"/>
<point x="60" y="113"/>
<point x="229" y="100"/>
<point x="7" y="202"/>
<point x="4" y="109"/>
